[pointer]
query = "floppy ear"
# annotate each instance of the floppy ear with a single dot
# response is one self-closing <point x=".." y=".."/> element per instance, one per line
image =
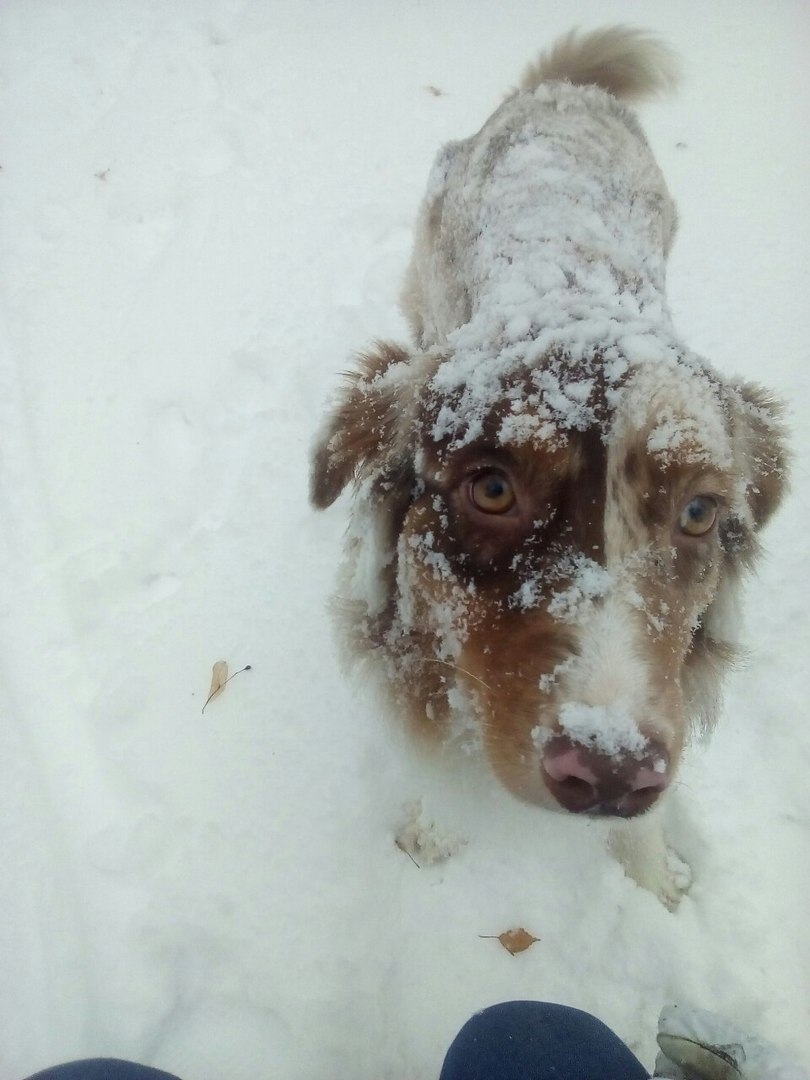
<point x="362" y="431"/>
<point x="764" y="447"/>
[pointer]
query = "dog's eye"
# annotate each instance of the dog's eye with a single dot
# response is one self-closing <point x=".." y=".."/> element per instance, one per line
<point x="698" y="516"/>
<point x="491" y="493"/>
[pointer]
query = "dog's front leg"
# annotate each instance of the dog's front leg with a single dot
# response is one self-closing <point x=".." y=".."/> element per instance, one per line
<point x="639" y="846"/>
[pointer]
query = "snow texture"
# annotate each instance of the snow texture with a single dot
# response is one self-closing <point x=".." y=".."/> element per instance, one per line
<point x="205" y="207"/>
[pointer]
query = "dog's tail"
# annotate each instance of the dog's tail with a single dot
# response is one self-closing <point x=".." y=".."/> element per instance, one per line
<point x="628" y="63"/>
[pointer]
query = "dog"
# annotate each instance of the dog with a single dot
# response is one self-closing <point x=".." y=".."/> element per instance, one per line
<point x="555" y="499"/>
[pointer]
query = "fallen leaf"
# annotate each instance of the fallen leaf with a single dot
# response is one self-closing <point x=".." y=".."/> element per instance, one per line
<point x="219" y="676"/>
<point x="514" y="941"/>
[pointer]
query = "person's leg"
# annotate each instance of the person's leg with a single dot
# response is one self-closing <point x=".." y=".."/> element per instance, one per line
<point x="532" y="1040"/>
<point x="102" y="1069"/>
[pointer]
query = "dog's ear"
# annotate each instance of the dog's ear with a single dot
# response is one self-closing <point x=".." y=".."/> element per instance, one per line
<point x="362" y="431"/>
<point x="764" y="446"/>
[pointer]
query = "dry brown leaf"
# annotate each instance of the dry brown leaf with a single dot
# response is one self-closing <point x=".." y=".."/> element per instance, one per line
<point x="514" y="941"/>
<point x="219" y="676"/>
<point x="219" y="679"/>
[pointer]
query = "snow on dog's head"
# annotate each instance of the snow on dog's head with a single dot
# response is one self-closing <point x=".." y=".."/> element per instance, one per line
<point x="554" y="497"/>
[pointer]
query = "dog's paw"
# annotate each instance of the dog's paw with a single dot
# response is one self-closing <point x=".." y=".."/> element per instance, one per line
<point x="679" y="872"/>
<point x="676" y="879"/>
<point x="646" y="858"/>
<point x="667" y="877"/>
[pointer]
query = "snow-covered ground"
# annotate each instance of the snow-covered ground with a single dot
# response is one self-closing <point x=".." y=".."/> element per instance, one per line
<point x="205" y="206"/>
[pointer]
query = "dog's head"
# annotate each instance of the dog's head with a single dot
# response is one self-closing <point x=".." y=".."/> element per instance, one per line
<point x="548" y="556"/>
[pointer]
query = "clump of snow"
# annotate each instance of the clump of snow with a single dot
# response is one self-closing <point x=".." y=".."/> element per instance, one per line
<point x="423" y="839"/>
<point x="588" y="581"/>
<point x="530" y="421"/>
<point x="607" y="728"/>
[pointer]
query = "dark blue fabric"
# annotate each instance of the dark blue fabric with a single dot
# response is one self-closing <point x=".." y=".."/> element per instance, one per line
<point x="102" y="1069"/>
<point x="532" y="1040"/>
<point x="516" y="1040"/>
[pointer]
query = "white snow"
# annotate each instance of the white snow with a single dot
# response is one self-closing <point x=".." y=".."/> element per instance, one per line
<point x="609" y="729"/>
<point x="205" y="206"/>
<point x="423" y="839"/>
<point x="589" y="581"/>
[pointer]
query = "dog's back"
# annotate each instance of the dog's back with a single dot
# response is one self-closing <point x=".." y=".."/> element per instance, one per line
<point x="613" y="213"/>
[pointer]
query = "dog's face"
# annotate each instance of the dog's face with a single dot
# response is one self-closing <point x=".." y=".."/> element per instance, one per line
<point x="553" y="563"/>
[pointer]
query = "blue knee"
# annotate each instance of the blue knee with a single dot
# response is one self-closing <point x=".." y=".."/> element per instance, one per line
<point x="531" y="1040"/>
<point x="102" y="1069"/>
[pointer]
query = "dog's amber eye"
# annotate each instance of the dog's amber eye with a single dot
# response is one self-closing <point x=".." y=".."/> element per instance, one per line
<point x="698" y="516"/>
<point x="492" y="493"/>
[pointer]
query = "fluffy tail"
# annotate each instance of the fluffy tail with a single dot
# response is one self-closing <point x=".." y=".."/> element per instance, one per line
<point x="630" y="64"/>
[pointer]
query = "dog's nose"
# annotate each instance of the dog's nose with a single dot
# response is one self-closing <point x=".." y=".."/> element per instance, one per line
<point x="584" y="780"/>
